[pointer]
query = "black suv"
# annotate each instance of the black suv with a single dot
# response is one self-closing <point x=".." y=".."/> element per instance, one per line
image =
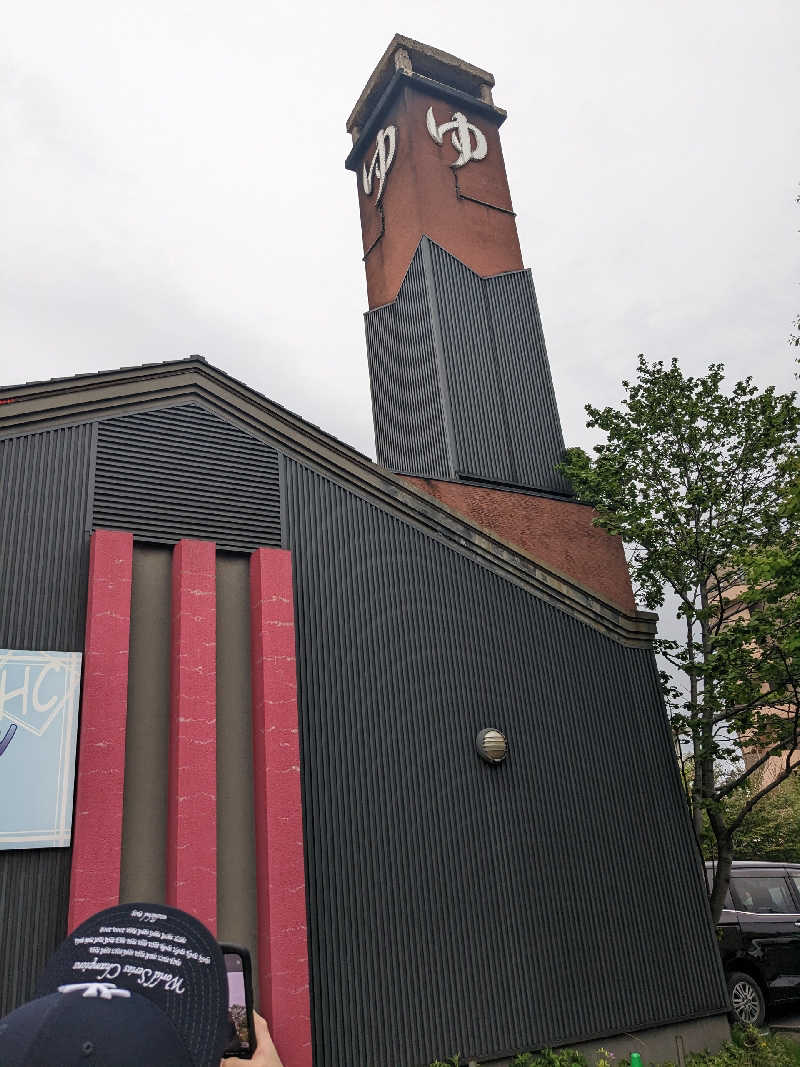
<point x="759" y="937"/>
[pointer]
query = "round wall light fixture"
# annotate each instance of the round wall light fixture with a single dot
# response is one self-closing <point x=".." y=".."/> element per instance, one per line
<point x="492" y="745"/>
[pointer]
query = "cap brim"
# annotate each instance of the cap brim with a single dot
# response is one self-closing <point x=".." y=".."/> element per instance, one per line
<point x="157" y="952"/>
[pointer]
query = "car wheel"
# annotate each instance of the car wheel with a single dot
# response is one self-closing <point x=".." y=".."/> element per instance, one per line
<point x="747" y="1000"/>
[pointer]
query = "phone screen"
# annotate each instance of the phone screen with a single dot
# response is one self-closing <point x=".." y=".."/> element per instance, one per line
<point x="240" y="1002"/>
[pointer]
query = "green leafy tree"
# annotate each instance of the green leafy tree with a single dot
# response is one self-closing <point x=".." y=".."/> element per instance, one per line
<point x="699" y="483"/>
<point x="794" y="338"/>
<point x="770" y="830"/>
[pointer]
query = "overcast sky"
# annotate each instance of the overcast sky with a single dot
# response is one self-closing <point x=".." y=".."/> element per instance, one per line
<point x="172" y="182"/>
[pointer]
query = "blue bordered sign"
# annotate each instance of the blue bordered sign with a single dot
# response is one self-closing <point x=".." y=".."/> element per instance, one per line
<point x="39" y="694"/>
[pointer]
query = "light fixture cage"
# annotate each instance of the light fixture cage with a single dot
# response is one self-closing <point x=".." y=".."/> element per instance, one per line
<point x="492" y="745"/>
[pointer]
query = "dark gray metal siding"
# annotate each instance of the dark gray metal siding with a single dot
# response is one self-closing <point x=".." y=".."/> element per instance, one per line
<point x="523" y="371"/>
<point x="491" y="402"/>
<point x="183" y="471"/>
<point x="455" y="906"/>
<point x="468" y="347"/>
<point x="407" y="408"/>
<point x="34" y="901"/>
<point x="44" y="522"/>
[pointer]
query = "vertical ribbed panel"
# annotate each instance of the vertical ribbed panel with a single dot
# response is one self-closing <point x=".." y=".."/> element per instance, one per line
<point x="34" y="898"/>
<point x="44" y="479"/>
<point x="183" y="471"/>
<point x="460" y="352"/>
<point x="45" y="483"/>
<point x="479" y="407"/>
<point x="455" y="906"/>
<point x="523" y="370"/>
<point x="407" y="407"/>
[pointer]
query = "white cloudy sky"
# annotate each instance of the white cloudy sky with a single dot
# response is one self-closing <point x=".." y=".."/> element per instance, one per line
<point x="171" y="182"/>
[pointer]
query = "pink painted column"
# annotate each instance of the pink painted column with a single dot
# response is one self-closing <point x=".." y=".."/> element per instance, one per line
<point x="97" y="834"/>
<point x="192" y="800"/>
<point x="282" y="931"/>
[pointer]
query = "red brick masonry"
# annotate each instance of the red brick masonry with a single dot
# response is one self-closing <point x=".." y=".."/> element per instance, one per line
<point x="420" y="198"/>
<point x="283" y="937"/>
<point x="556" y="533"/>
<point x="97" y="838"/>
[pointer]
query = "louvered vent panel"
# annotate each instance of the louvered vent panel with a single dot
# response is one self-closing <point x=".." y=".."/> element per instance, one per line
<point x="454" y="906"/>
<point x="183" y="471"/>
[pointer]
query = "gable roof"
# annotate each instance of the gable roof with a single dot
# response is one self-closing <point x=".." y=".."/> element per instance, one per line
<point x="38" y="406"/>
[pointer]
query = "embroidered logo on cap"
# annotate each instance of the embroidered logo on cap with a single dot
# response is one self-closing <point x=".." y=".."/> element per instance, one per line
<point x="104" y="990"/>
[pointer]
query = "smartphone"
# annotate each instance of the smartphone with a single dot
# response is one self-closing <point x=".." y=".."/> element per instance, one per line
<point x="241" y="1035"/>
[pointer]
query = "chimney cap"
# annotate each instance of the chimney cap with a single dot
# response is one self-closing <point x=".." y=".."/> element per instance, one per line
<point x="409" y="55"/>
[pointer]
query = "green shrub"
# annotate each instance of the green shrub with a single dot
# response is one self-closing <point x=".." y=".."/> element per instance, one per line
<point x="564" y="1057"/>
<point x="746" y="1048"/>
<point x="750" y="1048"/>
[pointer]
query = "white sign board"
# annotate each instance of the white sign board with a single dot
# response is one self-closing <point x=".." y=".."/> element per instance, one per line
<point x="39" y="694"/>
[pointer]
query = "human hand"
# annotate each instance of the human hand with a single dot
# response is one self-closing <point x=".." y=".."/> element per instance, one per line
<point x="265" y="1054"/>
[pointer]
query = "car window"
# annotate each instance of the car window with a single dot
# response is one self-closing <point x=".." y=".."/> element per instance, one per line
<point x="796" y="879"/>
<point x="764" y="895"/>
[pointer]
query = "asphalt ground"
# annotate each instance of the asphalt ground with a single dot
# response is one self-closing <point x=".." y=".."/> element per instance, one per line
<point x="785" y="1020"/>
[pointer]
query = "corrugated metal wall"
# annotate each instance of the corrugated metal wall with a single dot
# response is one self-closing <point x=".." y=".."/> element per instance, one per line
<point x="34" y="900"/>
<point x="403" y="365"/>
<point x="457" y="907"/>
<point x="523" y="372"/>
<point x="467" y="356"/>
<point x="478" y="403"/>
<point x="44" y="523"/>
<point x="452" y="906"/>
<point x="183" y="471"/>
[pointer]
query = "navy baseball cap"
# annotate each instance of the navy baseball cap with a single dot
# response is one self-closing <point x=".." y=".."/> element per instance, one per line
<point x="134" y="985"/>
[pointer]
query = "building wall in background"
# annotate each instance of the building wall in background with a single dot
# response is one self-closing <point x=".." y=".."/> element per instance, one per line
<point x="435" y="882"/>
<point x="560" y="891"/>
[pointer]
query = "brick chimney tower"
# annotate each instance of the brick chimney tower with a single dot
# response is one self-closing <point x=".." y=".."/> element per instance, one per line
<point x="462" y="396"/>
<point x="404" y="129"/>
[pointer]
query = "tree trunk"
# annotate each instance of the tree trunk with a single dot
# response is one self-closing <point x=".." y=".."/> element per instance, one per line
<point x="697" y="777"/>
<point x="722" y="875"/>
<point x="697" y="795"/>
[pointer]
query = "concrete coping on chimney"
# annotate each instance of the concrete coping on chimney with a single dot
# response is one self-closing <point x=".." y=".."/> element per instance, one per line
<point x="413" y="57"/>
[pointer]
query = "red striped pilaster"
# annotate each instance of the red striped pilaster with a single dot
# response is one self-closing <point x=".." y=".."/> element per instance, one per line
<point x="283" y="938"/>
<point x="97" y="834"/>
<point x="192" y="801"/>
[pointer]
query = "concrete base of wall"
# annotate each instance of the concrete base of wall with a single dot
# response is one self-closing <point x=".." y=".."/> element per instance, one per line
<point x="662" y="1044"/>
